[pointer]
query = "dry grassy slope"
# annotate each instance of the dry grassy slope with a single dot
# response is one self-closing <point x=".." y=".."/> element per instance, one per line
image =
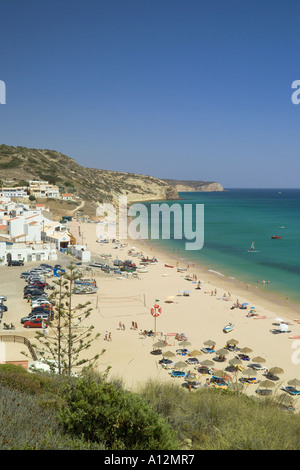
<point x="92" y="185"/>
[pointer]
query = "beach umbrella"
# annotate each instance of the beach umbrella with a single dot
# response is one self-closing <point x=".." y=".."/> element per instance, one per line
<point x="195" y="353"/>
<point x="170" y="298"/>
<point x="168" y="354"/>
<point x="221" y="352"/>
<point x="207" y="363"/>
<point x="279" y="320"/>
<point x="180" y="365"/>
<point x="185" y="343"/>
<point x="284" y="399"/>
<point x="232" y="342"/>
<point x="235" y="361"/>
<point x="191" y="376"/>
<point x="209" y="343"/>
<point x="245" y="303"/>
<point x="250" y="372"/>
<point x="236" y="387"/>
<point x="159" y="344"/>
<point x="258" y="359"/>
<point x="246" y="350"/>
<point x="222" y="374"/>
<point x="294" y="382"/>
<point x="276" y="370"/>
<point x="267" y="384"/>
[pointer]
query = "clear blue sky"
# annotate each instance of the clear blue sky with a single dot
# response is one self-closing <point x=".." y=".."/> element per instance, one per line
<point x="188" y="89"/>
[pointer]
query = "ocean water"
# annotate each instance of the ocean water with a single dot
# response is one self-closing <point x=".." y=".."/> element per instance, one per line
<point x="233" y="219"/>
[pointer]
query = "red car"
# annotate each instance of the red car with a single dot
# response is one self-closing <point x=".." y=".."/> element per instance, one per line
<point x="38" y="284"/>
<point x="38" y="323"/>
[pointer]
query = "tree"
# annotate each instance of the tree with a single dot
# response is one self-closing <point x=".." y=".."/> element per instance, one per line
<point x="67" y="339"/>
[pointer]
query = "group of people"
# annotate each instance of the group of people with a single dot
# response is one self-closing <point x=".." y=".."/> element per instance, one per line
<point x="107" y="336"/>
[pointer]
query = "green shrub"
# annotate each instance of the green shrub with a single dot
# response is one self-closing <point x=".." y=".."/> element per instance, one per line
<point x="101" y="412"/>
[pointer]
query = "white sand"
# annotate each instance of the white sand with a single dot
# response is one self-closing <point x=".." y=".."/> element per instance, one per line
<point x="200" y="316"/>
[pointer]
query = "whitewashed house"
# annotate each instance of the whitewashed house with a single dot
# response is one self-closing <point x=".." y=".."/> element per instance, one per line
<point x="23" y="252"/>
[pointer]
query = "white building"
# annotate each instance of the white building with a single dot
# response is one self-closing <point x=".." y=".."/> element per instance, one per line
<point x="13" y="192"/>
<point x="80" y="252"/>
<point x="23" y="252"/>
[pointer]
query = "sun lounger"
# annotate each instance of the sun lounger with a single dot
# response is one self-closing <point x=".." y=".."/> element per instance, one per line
<point x="264" y="391"/>
<point x="290" y="390"/>
<point x="243" y="357"/>
<point x="276" y="331"/>
<point x="177" y="373"/>
<point x="208" y="350"/>
<point x="192" y="360"/>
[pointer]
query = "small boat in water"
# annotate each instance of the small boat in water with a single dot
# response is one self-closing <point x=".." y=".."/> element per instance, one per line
<point x="275" y="237"/>
<point x="228" y="328"/>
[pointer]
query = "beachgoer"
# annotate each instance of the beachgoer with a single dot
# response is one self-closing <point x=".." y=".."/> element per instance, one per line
<point x="109" y="336"/>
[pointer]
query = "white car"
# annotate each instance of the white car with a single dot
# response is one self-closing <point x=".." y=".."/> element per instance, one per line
<point x="2" y="298"/>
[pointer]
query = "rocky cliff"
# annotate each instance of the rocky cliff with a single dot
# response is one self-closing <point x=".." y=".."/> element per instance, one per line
<point x="187" y="185"/>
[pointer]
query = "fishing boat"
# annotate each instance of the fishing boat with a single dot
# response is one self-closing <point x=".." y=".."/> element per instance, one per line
<point x="228" y="328"/>
<point x="168" y="266"/>
<point x="85" y="290"/>
<point x="275" y="237"/>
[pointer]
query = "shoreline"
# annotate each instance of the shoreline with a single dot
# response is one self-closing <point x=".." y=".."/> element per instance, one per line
<point x="270" y="300"/>
<point x="199" y="316"/>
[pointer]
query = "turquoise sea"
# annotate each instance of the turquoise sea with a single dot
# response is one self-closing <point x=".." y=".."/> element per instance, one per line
<point x="233" y="219"/>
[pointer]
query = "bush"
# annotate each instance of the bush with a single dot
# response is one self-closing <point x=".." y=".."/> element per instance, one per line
<point x="223" y="420"/>
<point x="101" y="412"/>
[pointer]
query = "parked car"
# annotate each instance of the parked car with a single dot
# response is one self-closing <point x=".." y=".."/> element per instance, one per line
<point x="36" y="316"/>
<point x="41" y="302"/>
<point x="47" y="266"/>
<point x="32" y="289"/>
<point x="36" y="323"/>
<point x="2" y="298"/>
<point x="32" y="293"/>
<point x="3" y="308"/>
<point x="37" y="297"/>
<point x="15" y="263"/>
<point x="38" y="310"/>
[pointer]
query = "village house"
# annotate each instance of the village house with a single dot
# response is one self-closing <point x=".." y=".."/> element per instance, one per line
<point x="67" y="196"/>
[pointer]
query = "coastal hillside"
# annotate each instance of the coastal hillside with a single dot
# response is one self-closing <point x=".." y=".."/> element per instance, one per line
<point x="18" y="165"/>
<point x="187" y="185"/>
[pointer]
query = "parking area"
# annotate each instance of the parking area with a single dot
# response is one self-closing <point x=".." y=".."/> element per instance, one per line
<point x="12" y="286"/>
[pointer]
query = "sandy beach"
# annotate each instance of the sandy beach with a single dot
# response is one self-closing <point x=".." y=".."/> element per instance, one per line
<point x="200" y="316"/>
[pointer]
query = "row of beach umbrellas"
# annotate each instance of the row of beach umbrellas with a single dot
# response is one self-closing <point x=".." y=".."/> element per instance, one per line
<point x="235" y="361"/>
